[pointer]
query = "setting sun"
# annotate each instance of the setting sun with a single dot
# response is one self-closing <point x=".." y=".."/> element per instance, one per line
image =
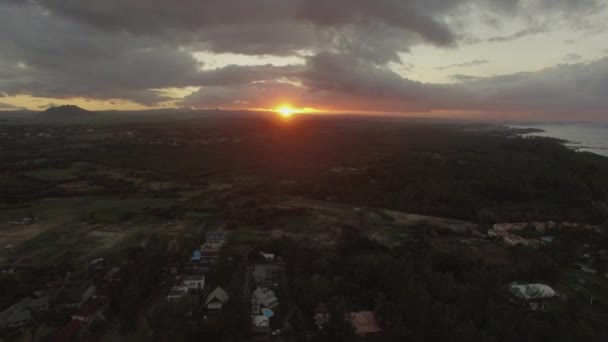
<point x="285" y="111"/>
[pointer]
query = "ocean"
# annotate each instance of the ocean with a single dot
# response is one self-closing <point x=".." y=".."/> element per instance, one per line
<point x="580" y="137"/>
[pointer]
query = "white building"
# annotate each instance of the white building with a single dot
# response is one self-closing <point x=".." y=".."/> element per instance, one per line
<point x="216" y="299"/>
<point x="265" y="297"/>
<point x="194" y="282"/>
<point x="267" y="256"/>
<point x="177" y="293"/>
<point x="536" y="295"/>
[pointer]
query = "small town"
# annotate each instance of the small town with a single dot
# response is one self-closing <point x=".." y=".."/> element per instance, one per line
<point x="222" y="282"/>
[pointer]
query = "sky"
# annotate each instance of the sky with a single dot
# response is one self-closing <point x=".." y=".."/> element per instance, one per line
<point x="507" y="59"/>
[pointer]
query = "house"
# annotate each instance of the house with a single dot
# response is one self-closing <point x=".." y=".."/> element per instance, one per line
<point x="204" y="270"/>
<point x="177" y="293"/>
<point x="216" y="237"/>
<point x="260" y="328"/>
<point x="216" y="299"/>
<point x="536" y="296"/>
<point x="547" y="239"/>
<point x="210" y="251"/>
<point x="364" y="322"/>
<point x="196" y="256"/>
<point x="267" y="256"/>
<point x="194" y="282"/>
<point x="265" y="297"/>
<point x="266" y="273"/>
<point x="256" y="307"/>
<point x="92" y="310"/>
<point x="322" y="316"/>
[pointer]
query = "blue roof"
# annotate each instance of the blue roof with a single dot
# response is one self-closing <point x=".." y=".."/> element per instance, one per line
<point x="196" y="255"/>
<point x="267" y="312"/>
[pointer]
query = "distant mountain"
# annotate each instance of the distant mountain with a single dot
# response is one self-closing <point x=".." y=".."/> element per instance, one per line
<point x="65" y="111"/>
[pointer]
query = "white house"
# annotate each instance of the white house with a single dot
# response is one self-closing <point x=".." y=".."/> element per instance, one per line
<point x="260" y="330"/>
<point x="267" y="256"/>
<point x="266" y="297"/>
<point x="536" y="295"/>
<point x="177" y="292"/>
<point x="194" y="282"/>
<point x="216" y="299"/>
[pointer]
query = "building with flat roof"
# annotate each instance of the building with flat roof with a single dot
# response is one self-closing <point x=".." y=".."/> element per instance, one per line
<point x="194" y="281"/>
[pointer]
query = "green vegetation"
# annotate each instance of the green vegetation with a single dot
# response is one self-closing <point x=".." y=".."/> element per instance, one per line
<point x="54" y="175"/>
<point x="340" y="201"/>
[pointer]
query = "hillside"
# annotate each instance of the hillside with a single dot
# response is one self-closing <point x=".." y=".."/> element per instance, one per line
<point x="67" y="111"/>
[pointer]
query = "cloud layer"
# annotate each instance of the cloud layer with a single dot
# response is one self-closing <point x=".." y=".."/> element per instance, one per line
<point x="131" y="49"/>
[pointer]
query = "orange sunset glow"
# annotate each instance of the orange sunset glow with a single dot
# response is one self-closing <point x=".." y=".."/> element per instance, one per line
<point x="285" y="111"/>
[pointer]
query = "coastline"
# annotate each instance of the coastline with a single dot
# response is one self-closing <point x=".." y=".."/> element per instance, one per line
<point x="578" y="137"/>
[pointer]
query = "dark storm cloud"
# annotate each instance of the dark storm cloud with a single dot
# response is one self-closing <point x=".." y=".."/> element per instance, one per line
<point x="145" y="16"/>
<point x="572" y="88"/>
<point x="47" y="56"/>
<point x="128" y="49"/>
<point x="339" y="82"/>
<point x="236" y="74"/>
<point x="332" y="81"/>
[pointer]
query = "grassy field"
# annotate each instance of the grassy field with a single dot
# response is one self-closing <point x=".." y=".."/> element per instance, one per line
<point x="55" y="174"/>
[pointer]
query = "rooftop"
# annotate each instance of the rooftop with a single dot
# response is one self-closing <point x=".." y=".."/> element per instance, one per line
<point x="178" y="291"/>
<point x="260" y="321"/>
<point x="532" y="291"/>
<point x="219" y="294"/>
<point x="365" y="322"/>
<point x="197" y="277"/>
<point x="196" y="255"/>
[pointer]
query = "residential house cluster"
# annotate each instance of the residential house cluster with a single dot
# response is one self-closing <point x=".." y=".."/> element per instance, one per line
<point x="198" y="267"/>
<point x="89" y="303"/>
<point x="209" y="252"/>
<point x="191" y="283"/>
<point x="265" y="276"/>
